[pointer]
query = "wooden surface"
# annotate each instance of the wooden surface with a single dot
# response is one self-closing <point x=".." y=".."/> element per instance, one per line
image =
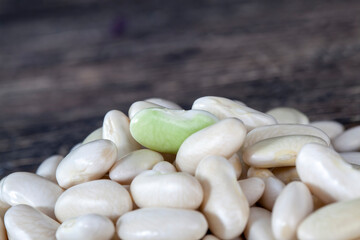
<point x="64" y="65"/>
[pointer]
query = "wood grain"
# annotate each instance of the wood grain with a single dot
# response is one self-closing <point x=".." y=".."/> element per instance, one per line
<point x="63" y="67"/>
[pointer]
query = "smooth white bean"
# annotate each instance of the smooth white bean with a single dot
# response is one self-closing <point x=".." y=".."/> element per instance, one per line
<point x="27" y="223"/>
<point x="326" y="174"/>
<point x="292" y="206"/>
<point x="259" y="225"/>
<point x="223" y="138"/>
<point x="161" y="224"/>
<point x="95" y="135"/>
<point x="273" y="188"/>
<point x="47" y="168"/>
<point x="89" y="227"/>
<point x="288" y="115"/>
<point x="348" y="141"/>
<point x="104" y="197"/>
<point x="225" y="205"/>
<point x="88" y="162"/>
<point x="253" y="189"/>
<point x="331" y="128"/>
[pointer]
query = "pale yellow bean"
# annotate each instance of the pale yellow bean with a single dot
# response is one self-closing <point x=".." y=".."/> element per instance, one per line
<point x="88" y="162"/>
<point x="175" y="190"/>
<point x="132" y="164"/>
<point x="47" y="168"/>
<point x="89" y="227"/>
<point x="104" y="197"/>
<point x="337" y="221"/>
<point x="24" y="222"/>
<point x="161" y="224"/>
<point x="253" y="189"/>
<point x="277" y="151"/>
<point x="225" y="205"/>
<point x="273" y="188"/>
<point x="116" y="127"/>
<point x="31" y="189"/>
<point x="325" y="173"/>
<point x="259" y="225"/>
<point x="291" y="207"/>
<point x="223" y="138"/>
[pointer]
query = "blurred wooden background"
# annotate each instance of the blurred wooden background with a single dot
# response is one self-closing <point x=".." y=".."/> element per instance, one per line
<point x="64" y="64"/>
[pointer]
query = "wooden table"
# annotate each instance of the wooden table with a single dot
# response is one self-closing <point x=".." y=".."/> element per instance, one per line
<point x="64" y="65"/>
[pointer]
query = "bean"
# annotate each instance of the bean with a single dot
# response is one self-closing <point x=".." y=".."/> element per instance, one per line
<point x="279" y="130"/>
<point x="88" y="162"/>
<point x="253" y="189"/>
<point x="164" y="167"/>
<point x="262" y="173"/>
<point x="225" y="205"/>
<point x="140" y="105"/>
<point x="326" y="174"/>
<point x="335" y="221"/>
<point x="223" y="139"/>
<point x="47" y="168"/>
<point x="164" y="130"/>
<point x="161" y="224"/>
<point x="165" y="103"/>
<point x="89" y="227"/>
<point x="286" y="174"/>
<point x="95" y="135"/>
<point x="292" y="206"/>
<point x="31" y="189"/>
<point x="273" y="188"/>
<point x="116" y="128"/>
<point x="351" y="157"/>
<point x="226" y="108"/>
<point x="176" y="190"/>
<point x="259" y="225"/>
<point x="236" y="163"/>
<point x="277" y="151"/>
<point x="331" y="128"/>
<point x="132" y="164"/>
<point x="25" y="222"/>
<point x="348" y="140"/>
<point x="288" y="115"/>
<point x="104" y="197"/>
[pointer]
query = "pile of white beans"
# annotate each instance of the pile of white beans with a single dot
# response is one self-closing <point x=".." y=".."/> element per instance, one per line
<point x="249" y="175"/>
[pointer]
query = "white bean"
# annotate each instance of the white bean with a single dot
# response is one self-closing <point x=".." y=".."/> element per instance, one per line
<point x="47" y="168"/>
<point x="95" y="135"/>
<point x="176" y="190"/>
<point x="88" y="162"/>
<point x="288" y="115"/>
<point x="291" y="207"/>
<point x="132" y="164"/>
<point x="259" y="225"/>
<point x="161" y="224"/>
<point x="164" y="167"/>
<point x="226" y="108"/>
<point x="331" y="128"/>
<point x="26" y="223"/>
<point x="223" y="138"/>
<point x="348" y="140"/>
<point x="89" y="227"/>
<point x="141" y="105"/>
<point x="277" y="151"/>
<point x="335" y="221"/>
<point x="286" y="174"/>
<point x="326" y="174"/>
<point x="104" y="197"/>
<point x="279" y="130"/>
<point x="236" y="163"/>
<point x="225" y="205"/>
<point x="116" y="127"/>
<point x="165" y="103"/>
<point x="31" y="189"/>
<point x="253" y="189"/>
<point x="273" y="188"/>
<point x="351" y="157"/>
